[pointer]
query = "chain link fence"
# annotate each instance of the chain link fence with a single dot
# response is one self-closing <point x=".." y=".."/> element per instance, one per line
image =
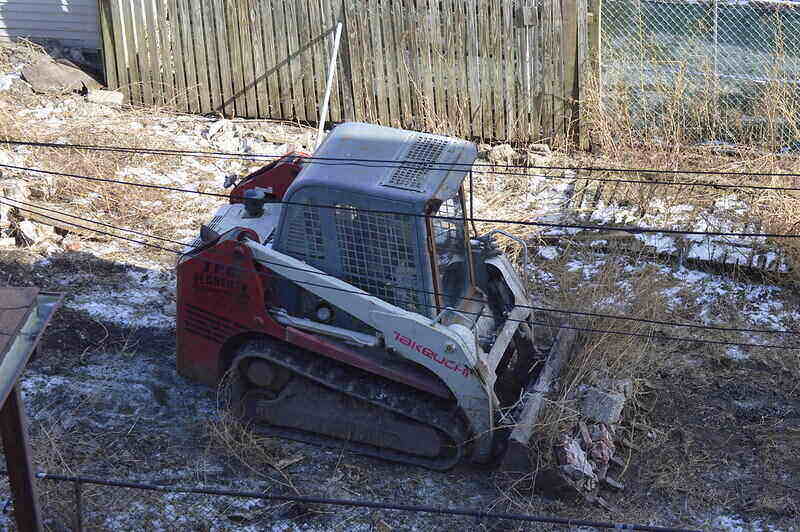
<point x="723" y="70"/>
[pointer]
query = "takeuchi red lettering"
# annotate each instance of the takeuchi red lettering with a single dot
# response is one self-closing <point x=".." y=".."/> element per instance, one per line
<point x="433" y="355"/>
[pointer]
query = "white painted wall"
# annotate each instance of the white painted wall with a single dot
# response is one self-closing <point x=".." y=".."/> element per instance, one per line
<point x="73" y="22"/>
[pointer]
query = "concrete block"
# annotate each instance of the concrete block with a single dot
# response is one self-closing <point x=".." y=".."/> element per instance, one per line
<point x="601" y="406"/>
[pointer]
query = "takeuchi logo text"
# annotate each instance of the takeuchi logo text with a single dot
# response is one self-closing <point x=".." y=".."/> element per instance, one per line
<point x="433" y="355"/>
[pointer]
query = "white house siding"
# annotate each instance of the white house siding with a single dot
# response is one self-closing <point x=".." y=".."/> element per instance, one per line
<point x="72" y="22"/>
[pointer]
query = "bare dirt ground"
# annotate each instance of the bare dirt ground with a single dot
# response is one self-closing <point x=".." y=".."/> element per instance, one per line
<point x="714" y="431"/>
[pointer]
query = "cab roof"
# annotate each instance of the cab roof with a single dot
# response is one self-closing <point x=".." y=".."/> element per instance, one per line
<point x="393" y="164"/>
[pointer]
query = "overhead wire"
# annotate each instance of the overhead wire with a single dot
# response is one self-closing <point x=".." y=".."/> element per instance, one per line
<point x="360" y="292"/>
<point x="627" y="229"/>
<point x="391" y="162"/>
<point x="358" y="503"/>
<point x="430" y="292"/>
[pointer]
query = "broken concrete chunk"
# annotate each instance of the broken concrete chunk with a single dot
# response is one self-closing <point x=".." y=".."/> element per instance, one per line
<point x="502" y="154"/>
<point x="105" y="97"/>
<point x="603" y="407"/>
<point x="573" y="461"/>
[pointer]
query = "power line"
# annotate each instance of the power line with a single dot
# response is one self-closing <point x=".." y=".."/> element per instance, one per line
<point x="394" y="163"/>
<point x="358" y="503"/>
<point x="626" y="229"/>
<point x="359" y="292"/>
<point x="433" y="293"/>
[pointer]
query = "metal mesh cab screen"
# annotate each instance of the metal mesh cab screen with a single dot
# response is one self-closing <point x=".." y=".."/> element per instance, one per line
<point x="304" y="239"/>
<point x="379" y="255"/>
<point x="411" y="174"/>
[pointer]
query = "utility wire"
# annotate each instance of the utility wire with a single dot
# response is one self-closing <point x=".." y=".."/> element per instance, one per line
<point x="359" y="292"/>
<point x="632" y="230"/>
<point x="358" y="503"/>
<point x="430" y="292"/>
<point x="392" y="163"/>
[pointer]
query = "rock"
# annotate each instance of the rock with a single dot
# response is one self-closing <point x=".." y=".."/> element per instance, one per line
<point x="625" y="387"/>
<point x="71" y="243"/>
<point x="536" y="159"/>
<point x="502" y="154"/>
<point x="49" y="77"/>
<point x="105" y="97"/>
<point x="28" y="232"/>
<point x="540" y="148"/>
<point x="574" y="464"/>
<point x="602" y="407"/>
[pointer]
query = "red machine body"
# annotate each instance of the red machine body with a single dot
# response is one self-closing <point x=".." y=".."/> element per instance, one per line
<point x="223" y="296"/>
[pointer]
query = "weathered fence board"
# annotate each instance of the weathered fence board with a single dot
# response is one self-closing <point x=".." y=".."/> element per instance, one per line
<point x="490" y="69"/>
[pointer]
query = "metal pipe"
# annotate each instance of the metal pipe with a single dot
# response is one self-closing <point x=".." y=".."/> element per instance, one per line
<point x="323" y="114"/>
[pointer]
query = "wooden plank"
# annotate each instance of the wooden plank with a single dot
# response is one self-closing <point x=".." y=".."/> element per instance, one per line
<point x="426" y="45"/>
<point x="473" y="69"/>
<point x="107" y="40"/>
<point x="345" y="61"/>
<point x="154" y="57"/>
<point x="510" y="95"/>
<point x="536" y="38"/>
<point x="130" y="53"/>
<point x="584" y="73"/>
<point x="142" y="51"/>
<point x="249" y="97"/>
<point x="187" y="42"/>
<point x="457" y="89"/>
<point x="118" y="29"/>
<point x="281" y="45"/>
<point x="486" y="68"/>
<point x="522" y="74"/>
<point x="212" y="56"/>
<point x="394" y="81"/>
<point x="331" y="15"/>
<point x="235" y="50"/>
<point x="569" y="50"/>
<point x="272" y="108"/>
<point x="306" y="60"/>
<point x="412" y="64"/>
<point x="18" y="303"/>
<point x="377" y="66"/>
<point x="320" y="56"/>
<point x="14" y="427"/>
<point x="295" y="62"/>
<point x="181" y="91"/>
<point x="198" y="38"/>
<point x="226" y="107"/>
<point x="496" y="67"/>
<point x="439" y="67"/>
<point x="165" y="53"/>
<point x="261" y="87"/>
<point x="362" y="106"/>
<point x="548" y="69"/>
<point x="559" y="103"/>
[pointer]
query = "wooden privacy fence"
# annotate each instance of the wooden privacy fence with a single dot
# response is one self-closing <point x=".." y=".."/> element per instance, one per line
<point x="490" y="69"/>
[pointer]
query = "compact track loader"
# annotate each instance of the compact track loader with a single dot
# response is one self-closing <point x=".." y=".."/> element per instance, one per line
<point x="352" y="307"/>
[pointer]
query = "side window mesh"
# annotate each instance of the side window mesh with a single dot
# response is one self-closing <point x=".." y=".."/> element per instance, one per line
<point x="304" y="239"/>
<point x="379" y="256"/>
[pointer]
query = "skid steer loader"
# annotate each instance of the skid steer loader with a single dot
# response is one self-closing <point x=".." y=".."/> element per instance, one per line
<point x="352" y="308"/>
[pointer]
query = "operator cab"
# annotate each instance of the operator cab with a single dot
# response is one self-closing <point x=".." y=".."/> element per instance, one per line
<point x="383" y="209"/>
